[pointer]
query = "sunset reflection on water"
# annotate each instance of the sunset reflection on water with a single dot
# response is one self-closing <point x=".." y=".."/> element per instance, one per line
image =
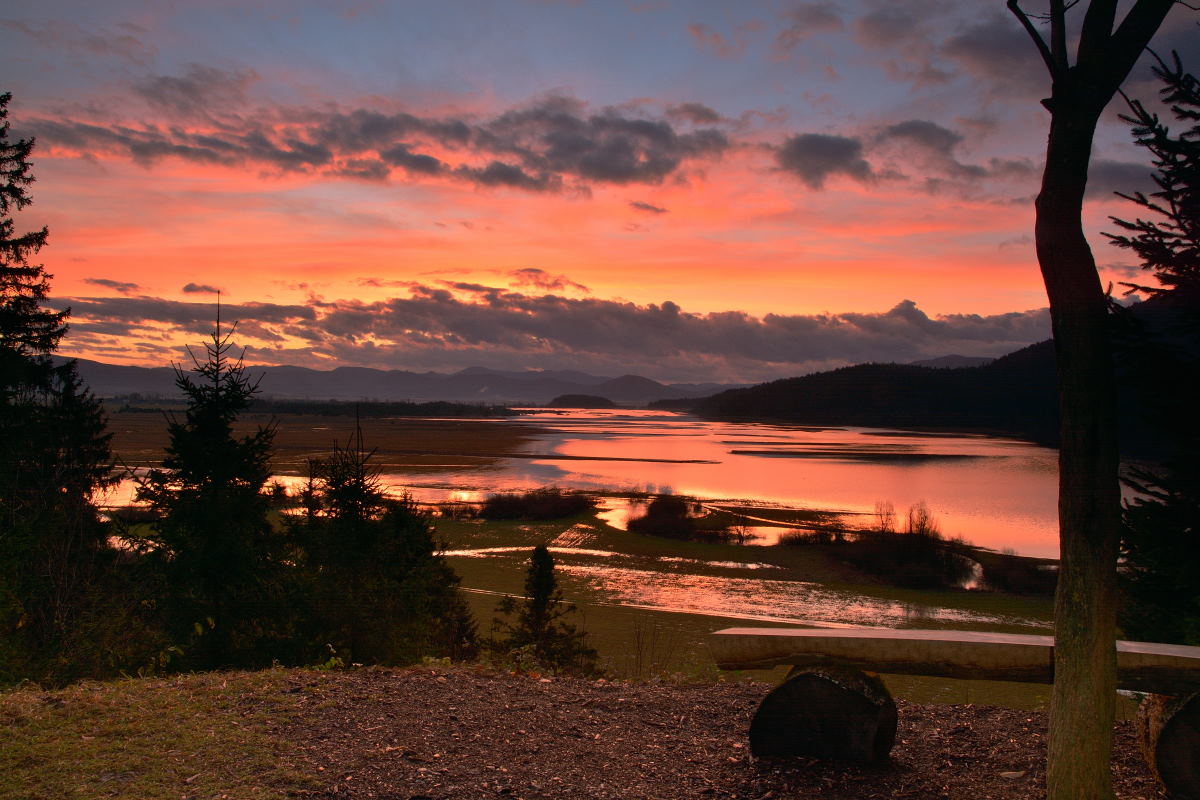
<point x="997" y="493"/>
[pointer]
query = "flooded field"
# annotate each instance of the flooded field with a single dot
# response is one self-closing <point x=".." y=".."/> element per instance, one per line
<point x="996" y="493"/>
<point x="649" y="602"/>
<point x="602" y="566"/>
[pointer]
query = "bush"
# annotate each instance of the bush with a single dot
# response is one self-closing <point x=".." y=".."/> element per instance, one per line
<point x="918" y="558"/>
<point x="547" y="503"/>
<point x="379" y="591"/>
<point x="675" y="517"/>
<point x="1008" y="572"/>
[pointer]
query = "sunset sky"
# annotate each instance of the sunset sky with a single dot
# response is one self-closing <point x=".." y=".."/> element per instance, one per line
<point x="687" y="190"/>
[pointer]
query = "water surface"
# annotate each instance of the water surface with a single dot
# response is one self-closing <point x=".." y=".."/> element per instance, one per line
<point x="995" y="492"/>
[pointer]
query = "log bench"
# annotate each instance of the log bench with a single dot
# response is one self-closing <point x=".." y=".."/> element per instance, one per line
<point x="832" y="705"/>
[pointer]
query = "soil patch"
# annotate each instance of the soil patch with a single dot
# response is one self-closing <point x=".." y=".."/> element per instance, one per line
<point x="471" y="733"/>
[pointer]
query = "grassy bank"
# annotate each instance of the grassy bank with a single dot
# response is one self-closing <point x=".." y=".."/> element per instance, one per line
<point x="470" y="732"/>
<point x="401" y="444"/>
<point x="637" y="642"/>
<point x="207" y="735"/>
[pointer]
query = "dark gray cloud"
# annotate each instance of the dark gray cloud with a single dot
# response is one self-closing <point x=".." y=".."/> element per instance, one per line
<point x="918" y="152"/>
<point x="1106" y="177"/>
<point x="553" y="144"/>
<point x="813" y="157"/>
<point x="124" y="287"/>
<point x="555" y="137"/>
<point x="453" y="325"/>
<point x="420" y="163"/>
<point x="649" y="208"/>
<point x="1001" y="52"/>
<point x="498" y="173"/>
<point x="126" y="43"/>
<point x="806" y="20"/>
<point x="695" y="113"/>
<point x="152" y="311"/>
<point x="200" y="288"/>
<point x="198" y="90"/>
<point x="924" y="133"/>
<point x="932" y="147"/>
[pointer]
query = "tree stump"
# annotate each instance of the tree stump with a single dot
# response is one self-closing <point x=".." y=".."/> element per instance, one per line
<point x="1169" y="732"/>
<point x="831" y="713"/>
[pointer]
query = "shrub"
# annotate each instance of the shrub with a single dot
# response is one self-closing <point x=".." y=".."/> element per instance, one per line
<point x="919" y="558"/>
<point x="548" y="503"/>
<point x="675" y="517"/>
<point x="380" y="593"/>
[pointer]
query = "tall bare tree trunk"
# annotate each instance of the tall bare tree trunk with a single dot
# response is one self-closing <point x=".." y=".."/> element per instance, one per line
<point x="1083" y="702"/>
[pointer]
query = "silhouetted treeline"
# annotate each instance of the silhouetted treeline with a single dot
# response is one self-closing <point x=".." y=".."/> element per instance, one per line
<point x="210" y="575"/>
<point x="581" y="401"/>
<point x="1014" y="395"/>
<point x="339" y="408"/>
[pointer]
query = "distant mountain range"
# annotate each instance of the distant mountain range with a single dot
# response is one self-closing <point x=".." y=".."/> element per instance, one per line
<point x="471" y="385"/>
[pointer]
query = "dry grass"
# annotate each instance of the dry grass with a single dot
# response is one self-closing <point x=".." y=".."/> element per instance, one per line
<point x="192" y="736"/>
<point x="461" y="733"/>
<point x="402" y="444"/>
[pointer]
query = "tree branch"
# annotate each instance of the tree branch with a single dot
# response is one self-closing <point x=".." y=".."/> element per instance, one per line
<point x="1096" y="31"/>
<point x="1015" y="7"/>
<point x="1058" y="33"/>
<point x="1133" y="35"/>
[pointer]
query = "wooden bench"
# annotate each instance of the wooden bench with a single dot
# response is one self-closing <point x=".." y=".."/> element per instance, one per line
<point x="830" y="707"/>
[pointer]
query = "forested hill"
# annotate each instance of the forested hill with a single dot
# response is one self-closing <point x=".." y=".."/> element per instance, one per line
<point x="1015" y="394"/>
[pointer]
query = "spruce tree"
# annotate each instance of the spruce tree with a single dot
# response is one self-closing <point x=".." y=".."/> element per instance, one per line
<point x="380" y="592"/>
<point x="54" y="453"/>
<point x="1160" y="543"/>
<point x="213" y="545"/>
<point x="540" y="628"/>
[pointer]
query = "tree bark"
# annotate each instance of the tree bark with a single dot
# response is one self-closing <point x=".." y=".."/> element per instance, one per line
<point x="826" y="712"/>
<point x="1169" y="732"/>
<point x="1082" y="703"/>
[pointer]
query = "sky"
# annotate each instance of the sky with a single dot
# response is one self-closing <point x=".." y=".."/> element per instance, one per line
<point x="683" y="189"/>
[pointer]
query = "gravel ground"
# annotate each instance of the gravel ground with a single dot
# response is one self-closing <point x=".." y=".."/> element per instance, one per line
<point x="470" y="733"/>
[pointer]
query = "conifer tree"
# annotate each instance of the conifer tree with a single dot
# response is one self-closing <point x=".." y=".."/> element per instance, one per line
<point x="1160" y="542"/>
<point x="380" y="591"/>
<point x="54" y="452"/>
<point x="539" y="625"/>
<point x="213" y="545"/>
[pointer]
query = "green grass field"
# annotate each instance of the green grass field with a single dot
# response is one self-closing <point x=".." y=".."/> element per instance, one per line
<point x="639" y="643"/>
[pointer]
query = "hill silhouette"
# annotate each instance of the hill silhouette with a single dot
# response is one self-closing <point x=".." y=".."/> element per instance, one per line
<point x="1015" y="394"/>
<point x="581" y="401"/>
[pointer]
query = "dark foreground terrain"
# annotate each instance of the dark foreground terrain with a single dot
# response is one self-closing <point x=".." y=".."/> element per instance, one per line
<point x="454" y="732"/>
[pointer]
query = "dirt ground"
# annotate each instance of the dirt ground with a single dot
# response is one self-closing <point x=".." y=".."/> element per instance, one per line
<point x="443" y="733"/>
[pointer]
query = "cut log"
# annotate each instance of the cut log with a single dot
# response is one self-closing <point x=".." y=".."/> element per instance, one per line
<point x="832" y="713"/>
<point x="973" y="655"/>
<point x="1169" y="732"/>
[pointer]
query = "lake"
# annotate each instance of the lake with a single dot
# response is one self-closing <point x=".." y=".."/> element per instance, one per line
<point x="994" y="492"/>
